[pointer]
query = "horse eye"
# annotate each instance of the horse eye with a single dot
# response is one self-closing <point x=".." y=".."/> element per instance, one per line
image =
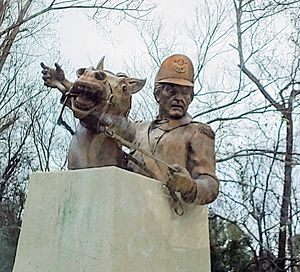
<point x="124" y="88"/>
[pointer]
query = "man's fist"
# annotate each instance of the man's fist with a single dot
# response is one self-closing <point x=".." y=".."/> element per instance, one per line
<point x="53" y="78"/>
<point x="180" y="180"/>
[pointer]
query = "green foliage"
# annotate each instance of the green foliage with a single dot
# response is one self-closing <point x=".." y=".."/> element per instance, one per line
<point x="229" y="247"/>
<point x="296" y="244"/>
<point x="7" y="249"/>
<point x="9" y="233"/>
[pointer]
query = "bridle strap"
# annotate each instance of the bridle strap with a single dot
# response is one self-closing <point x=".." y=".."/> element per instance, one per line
<point x="102" y="128"/>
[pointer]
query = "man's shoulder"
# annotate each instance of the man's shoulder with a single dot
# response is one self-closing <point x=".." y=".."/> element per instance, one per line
<point x="139" y="124"/>
<point x="203" y="128"/>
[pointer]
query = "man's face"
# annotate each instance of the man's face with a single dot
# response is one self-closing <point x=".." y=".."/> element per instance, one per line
<point x="174" y="100"/>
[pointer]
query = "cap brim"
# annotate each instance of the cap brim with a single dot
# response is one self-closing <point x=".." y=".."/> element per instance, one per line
<point x="178" y="81"/>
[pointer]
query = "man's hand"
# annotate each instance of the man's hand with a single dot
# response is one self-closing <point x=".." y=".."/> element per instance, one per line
<point x="53" y="78"/>
<point x="180" y="180"/>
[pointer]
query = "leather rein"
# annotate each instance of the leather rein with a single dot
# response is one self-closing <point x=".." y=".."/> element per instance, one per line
<point x="176" y="204"/>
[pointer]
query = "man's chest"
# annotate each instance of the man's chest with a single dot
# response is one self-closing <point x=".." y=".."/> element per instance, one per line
<point x="169" y="143"/>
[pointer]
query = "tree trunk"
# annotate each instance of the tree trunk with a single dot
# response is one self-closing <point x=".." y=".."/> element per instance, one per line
<point x="286" y="199"/>
<point x="10" y="38"/>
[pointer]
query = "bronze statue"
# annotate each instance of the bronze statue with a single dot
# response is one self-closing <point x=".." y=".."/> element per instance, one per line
<point x="173" y="149"/>
<point x="94" y="93"/>
<point x="187" y="146"/>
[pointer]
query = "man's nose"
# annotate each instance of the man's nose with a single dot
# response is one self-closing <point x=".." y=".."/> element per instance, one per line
<point x="178" y="97"/>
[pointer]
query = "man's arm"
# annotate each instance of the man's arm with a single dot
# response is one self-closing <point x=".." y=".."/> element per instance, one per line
<point x="198" y="183"/>
<point x="120" y="125"/>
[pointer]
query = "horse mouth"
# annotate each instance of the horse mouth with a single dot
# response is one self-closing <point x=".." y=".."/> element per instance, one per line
<point x="83" y="98"/>
<point x="83" y="103"/>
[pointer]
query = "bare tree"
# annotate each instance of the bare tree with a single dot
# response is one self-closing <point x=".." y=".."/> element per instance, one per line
<point x="279" y="88"/>
<point x="30" y="138"/>
<point x="255" y="155"/>
<point x="16" y="16"/>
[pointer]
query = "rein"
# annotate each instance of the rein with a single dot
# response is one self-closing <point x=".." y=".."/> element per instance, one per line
<point x="60" y="120"/>
<point x="176" y="205"/>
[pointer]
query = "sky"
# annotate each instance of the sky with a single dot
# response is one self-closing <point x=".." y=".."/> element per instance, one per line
<point x="82" y="43"/>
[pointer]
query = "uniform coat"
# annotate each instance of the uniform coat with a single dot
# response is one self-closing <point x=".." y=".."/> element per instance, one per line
<point x="183" y="142"/>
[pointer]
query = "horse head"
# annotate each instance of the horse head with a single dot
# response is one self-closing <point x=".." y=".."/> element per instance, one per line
<point x="97" y="91"/>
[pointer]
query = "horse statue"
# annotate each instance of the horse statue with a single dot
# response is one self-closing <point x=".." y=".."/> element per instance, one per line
<point x="94" y="94"/>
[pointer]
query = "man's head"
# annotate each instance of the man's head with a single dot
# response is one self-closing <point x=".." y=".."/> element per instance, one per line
<point x="174" y="86"/>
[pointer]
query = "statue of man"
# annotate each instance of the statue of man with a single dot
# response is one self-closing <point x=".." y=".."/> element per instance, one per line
<point x="174" y="138"/>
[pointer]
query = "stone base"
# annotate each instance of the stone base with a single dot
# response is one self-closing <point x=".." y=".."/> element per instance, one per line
<point x="110" y="220"/>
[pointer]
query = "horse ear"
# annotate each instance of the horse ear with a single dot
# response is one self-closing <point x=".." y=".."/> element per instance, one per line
<point x="136" y="84"/>
<point x="100" y="65"/>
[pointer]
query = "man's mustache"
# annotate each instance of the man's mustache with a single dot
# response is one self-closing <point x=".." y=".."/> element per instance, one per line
<point x="178" y="104"/>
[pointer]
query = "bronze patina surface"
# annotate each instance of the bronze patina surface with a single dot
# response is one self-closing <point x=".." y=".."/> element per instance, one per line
<point x="96" y="92"/>
<point x="187" y="146"/>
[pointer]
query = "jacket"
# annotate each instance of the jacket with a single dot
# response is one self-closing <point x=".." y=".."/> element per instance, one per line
<point x="184" y="142"/>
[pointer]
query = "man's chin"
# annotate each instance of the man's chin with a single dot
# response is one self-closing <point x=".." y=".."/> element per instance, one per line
<point x="176" y="114"/>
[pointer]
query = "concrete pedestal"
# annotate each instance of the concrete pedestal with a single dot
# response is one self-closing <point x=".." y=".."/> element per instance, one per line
<point x="110" y="220"/>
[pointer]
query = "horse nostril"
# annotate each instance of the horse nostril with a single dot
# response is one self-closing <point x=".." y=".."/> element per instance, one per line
<point x="100" y="75"/>
<point x="80" y="72"/>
